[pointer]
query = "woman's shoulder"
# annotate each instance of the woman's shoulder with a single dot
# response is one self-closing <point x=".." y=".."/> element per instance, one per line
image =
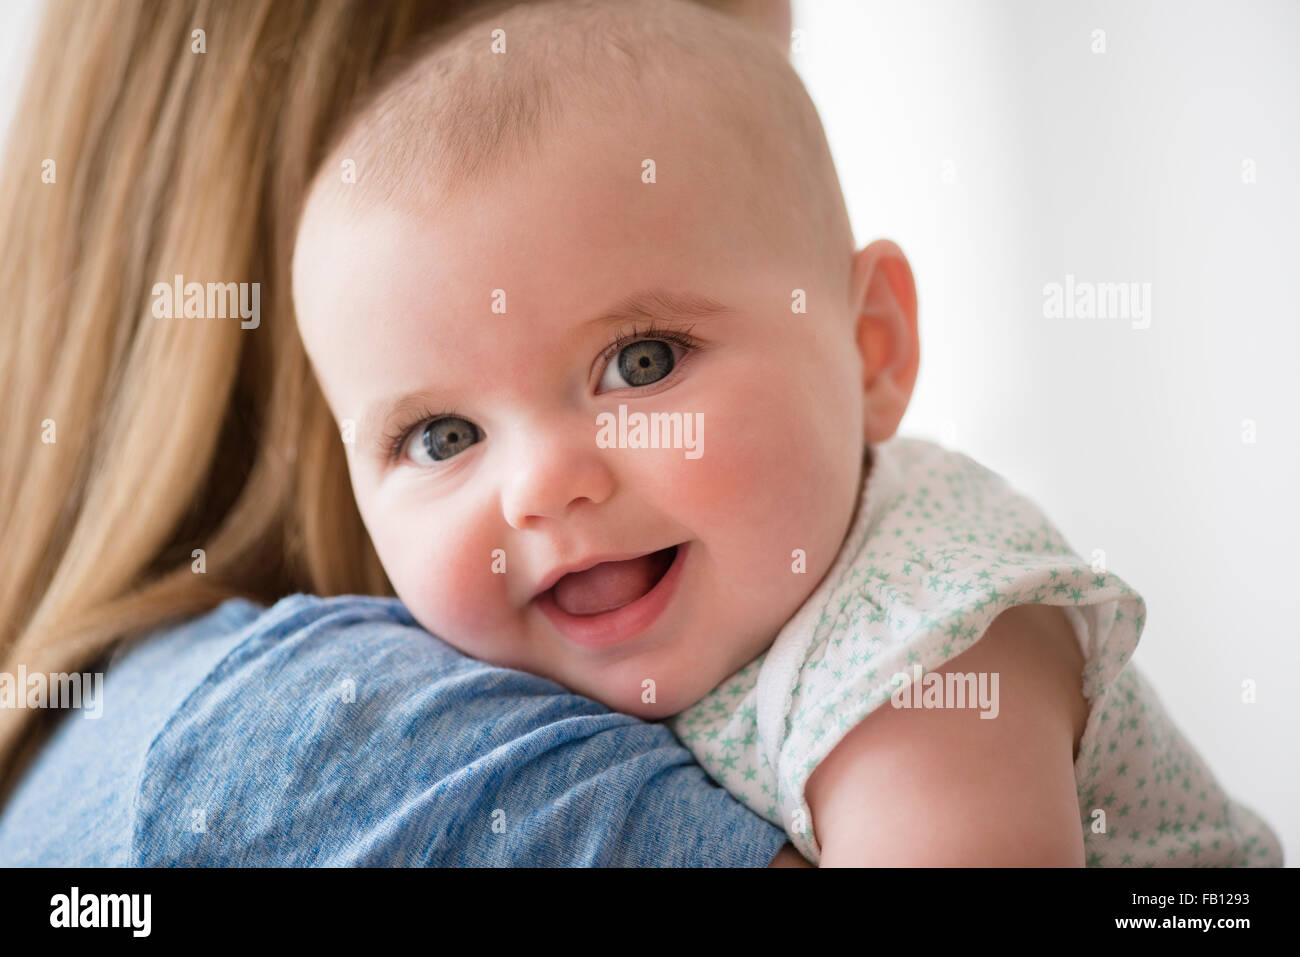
<point x="337" y="731"/>
<point x="324" y="716"/>
<point x="74" y="803"/>
<point x="347" y="648"/>
<point x="207" y="725"/>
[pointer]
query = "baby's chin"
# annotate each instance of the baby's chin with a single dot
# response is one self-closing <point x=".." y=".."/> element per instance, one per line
<point x="655" y="684"/>
<point x="653" y="712"/>
<point x="637" y="701"/>
<point x="620" y="687"/>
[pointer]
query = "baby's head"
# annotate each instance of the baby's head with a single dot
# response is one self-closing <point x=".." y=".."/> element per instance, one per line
<point x="604" y="212"/>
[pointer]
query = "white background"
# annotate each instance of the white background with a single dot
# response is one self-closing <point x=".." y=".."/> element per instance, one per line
<point x="1122" y="166"/>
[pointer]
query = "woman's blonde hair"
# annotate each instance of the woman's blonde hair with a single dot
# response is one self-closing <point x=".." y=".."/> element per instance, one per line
<point x="142" y="150"/>
<point x="130" y="440"/>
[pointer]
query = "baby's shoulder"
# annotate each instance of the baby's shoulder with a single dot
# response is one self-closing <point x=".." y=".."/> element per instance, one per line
<point x="924" y="499"/>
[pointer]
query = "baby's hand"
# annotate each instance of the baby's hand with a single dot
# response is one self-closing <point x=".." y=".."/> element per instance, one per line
<point x="944" y="787"/>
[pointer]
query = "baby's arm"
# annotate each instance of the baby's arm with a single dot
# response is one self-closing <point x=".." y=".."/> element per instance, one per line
<point x="945" y="787"/>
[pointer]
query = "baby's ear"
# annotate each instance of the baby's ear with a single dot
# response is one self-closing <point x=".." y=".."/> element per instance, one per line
<point x="884" y="300"/>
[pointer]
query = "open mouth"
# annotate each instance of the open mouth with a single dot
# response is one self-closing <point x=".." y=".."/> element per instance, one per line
<point x="611" y="585"/>
<point x="615" y="602"/>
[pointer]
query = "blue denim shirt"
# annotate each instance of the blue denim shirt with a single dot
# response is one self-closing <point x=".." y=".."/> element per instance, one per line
<point x="339" y="732"/>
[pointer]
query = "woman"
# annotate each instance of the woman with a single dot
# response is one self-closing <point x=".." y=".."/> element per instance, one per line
<point x="174" y="503"/>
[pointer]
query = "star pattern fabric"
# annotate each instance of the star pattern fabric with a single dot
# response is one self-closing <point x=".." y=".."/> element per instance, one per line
<point x="938" y="548"/>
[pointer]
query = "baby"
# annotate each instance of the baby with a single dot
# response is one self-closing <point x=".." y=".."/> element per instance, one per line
<point x="619" y="403"/>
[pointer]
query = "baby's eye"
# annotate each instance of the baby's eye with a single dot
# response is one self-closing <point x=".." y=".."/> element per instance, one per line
<point x="642" y="363"/>
<point x="442" y="438"/>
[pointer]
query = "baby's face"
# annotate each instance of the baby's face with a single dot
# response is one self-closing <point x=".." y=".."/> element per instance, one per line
<point x="501" y="476"/>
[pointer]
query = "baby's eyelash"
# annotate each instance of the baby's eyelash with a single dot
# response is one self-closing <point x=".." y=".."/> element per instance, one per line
<point x="625" y="338"/>
<point x="396" y="439"/>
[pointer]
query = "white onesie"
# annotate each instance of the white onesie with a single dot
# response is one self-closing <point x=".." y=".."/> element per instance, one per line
<point x="938" y="548"/>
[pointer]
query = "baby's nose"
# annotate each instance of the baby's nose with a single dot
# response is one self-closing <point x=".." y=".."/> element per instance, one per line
<point x="551" y="470"/>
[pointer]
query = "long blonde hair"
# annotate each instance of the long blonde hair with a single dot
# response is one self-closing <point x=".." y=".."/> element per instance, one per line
<point x="132" y="441"/>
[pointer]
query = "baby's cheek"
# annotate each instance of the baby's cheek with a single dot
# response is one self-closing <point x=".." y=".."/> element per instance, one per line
<point x="446" y="578"/>
<point x="768" y="498"/>
<point x="757" y="476"/>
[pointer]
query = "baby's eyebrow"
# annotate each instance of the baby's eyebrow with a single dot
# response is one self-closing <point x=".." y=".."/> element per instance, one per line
<point x="661" y="305"/>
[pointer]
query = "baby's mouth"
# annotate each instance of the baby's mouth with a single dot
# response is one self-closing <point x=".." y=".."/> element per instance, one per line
<point x="611" y="585"/>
